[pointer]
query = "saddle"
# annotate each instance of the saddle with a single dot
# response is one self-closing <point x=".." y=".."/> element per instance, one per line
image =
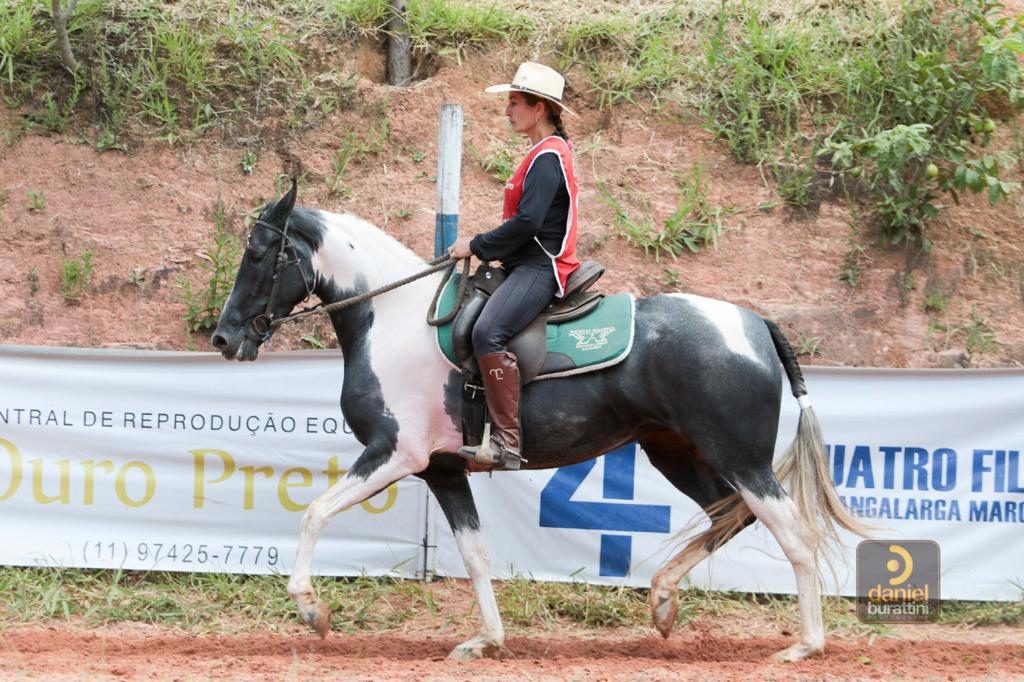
<point x="584" y="331"/>
<point x="530" y="345"/>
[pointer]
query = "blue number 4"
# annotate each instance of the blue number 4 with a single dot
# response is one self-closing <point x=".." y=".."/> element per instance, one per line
<point x="558" y="510"/>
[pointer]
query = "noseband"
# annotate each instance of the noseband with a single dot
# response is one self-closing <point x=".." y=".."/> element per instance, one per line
<point x="262" y="326"/>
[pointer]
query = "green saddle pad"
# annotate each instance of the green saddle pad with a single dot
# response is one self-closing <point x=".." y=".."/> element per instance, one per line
<point x="601" y="338"/>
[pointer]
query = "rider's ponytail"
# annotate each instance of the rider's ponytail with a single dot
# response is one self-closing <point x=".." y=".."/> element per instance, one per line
<point x="556" y="118"/>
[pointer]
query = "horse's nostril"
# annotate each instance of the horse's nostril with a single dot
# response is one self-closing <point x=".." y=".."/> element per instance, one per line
<point x="218" y="341"/>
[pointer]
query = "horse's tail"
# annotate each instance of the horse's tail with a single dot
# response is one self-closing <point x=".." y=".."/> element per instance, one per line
<point x="804" y="464"/>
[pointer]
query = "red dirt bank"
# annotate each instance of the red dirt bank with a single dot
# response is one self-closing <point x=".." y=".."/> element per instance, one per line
<point x="147" y="216"/>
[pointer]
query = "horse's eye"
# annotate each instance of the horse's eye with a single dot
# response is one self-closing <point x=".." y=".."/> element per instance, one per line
<point x="256" y="254"/>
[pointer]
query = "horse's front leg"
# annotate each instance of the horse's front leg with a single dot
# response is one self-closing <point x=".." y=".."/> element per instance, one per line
<point x="451" y="488"/>
<point x="353" y="488"/>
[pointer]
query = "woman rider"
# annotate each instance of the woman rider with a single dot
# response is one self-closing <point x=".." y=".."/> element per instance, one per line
<point x="536" y="245"/>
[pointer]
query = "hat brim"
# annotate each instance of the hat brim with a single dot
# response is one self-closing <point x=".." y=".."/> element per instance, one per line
<point x="508" y="87"/>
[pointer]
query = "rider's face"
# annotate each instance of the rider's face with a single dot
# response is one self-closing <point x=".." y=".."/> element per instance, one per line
<point x="521" y="115"/>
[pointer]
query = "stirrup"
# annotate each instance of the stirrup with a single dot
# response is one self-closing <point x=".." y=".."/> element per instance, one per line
<point x="487" y="454"/>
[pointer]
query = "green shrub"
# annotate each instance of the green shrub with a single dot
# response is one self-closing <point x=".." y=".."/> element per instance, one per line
<point x="946" y="76"/>
<point x="905" y="101"/>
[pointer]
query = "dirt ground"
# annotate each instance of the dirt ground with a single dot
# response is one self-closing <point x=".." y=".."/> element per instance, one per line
<point x="698" y="652"/>
<point x="723" y="646"/>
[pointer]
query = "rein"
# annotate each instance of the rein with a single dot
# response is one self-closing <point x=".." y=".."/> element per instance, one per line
<point x="264" y="325"/>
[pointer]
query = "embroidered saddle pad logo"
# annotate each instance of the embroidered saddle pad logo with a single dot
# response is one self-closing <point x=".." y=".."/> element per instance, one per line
<point x="591" y="339"/>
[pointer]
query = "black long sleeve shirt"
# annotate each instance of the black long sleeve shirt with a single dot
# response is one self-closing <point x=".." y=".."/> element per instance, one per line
<point x="543" y="213"/>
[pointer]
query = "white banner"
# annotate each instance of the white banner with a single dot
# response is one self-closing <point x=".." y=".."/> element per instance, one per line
<point x="922" y="454"/>
<point x="182" y="461"/>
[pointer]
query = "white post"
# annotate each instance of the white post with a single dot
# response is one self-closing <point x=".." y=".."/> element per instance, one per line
<point x="449" y="176"/>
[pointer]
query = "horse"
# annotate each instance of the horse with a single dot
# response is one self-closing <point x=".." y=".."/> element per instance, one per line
<point x="700" y="391"/>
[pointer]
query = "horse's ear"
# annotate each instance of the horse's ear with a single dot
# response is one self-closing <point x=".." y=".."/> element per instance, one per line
<point x="289" y="199"/>
<point x="279" y="212"/>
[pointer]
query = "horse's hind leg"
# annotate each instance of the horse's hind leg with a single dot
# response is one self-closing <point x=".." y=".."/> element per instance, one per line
<point x="450" y="486"/>
<point x="773" y="507"/>
<point x="679" y="462"/>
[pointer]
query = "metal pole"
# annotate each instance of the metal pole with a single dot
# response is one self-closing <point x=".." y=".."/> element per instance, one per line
<point x="449" y="174"/>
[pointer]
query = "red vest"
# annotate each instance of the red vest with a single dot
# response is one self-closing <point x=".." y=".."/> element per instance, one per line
<point x="564" y="262"/>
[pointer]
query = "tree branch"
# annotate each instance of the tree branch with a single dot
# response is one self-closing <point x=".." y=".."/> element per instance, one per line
<point x="399" y="55"/>
<point x="60" y="23"/>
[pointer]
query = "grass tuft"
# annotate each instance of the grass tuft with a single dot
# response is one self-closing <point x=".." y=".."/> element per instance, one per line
<point x="498" y="162"/>
<point x="226" y="603"/>
<point x="530" y="604"/>
<point x="75" y="277"/>
<point x="201" y="602"/>
<point x="693" y="226"/>
<point x="220" y="261"/>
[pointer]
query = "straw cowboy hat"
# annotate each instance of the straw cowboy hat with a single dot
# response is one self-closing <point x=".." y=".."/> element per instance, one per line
<point x="539" y="80"/>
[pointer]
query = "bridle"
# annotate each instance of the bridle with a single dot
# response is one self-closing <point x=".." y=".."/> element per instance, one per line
<point x="261" y="328"/>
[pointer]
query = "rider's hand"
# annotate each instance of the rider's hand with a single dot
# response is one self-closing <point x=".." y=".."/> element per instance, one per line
<point x="460" y="249"/>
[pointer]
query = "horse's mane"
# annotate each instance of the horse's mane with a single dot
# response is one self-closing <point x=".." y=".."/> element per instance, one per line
<point x="307" y="223"/>
<point x="312" y="224"/>
<point x="358" y="230"/>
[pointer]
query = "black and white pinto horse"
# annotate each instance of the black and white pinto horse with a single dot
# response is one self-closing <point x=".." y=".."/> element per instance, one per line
<point x="700" y="391"/>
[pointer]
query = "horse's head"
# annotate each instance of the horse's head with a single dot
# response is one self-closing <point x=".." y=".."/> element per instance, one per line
<point x="275" y="274"/>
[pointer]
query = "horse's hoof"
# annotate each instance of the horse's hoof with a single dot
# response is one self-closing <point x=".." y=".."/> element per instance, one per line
<point x="318" y="618"/>
<point x="664" y="608"/>
<point x="474" y="649"/>
<point x="798" y="652"/>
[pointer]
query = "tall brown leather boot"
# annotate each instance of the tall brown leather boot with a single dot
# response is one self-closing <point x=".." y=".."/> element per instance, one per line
<point x="500" y="373"/>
